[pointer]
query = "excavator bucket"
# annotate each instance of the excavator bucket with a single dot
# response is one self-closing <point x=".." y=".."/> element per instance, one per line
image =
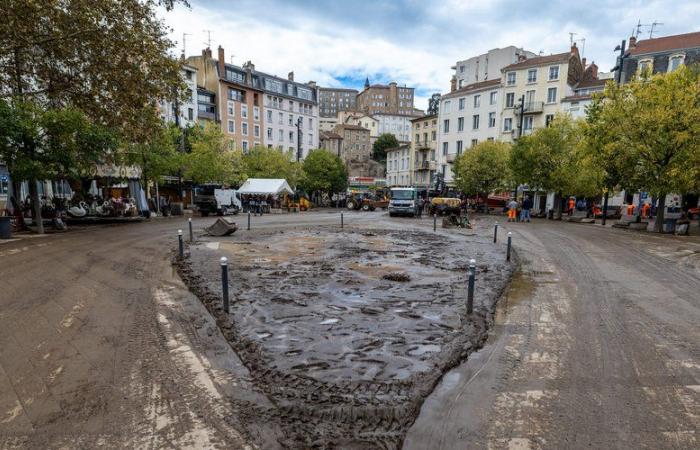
<point x="221" y="227"/>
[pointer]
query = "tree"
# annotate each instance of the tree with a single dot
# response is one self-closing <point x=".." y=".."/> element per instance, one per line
<point x="551" y="159"/>
<point x="210" y="160"/>
<point x="434" y="104"/>
<point x="263" y="162"/>
<point x="324" y="172"/>
<point x="108" y="58"/>
<point x="52" y="144"/>
<point x="483" y="169"/>
<point x="380" y="146"/>
<point x="656" y="120"/>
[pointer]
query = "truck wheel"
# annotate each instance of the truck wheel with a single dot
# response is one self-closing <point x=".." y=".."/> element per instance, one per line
<point x="366" y="208"/>
<point x="350" y="205"/>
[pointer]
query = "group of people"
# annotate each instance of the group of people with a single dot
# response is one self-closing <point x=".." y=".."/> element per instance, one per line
<point x="259" y="204"/>
<point x="519" y="211"/>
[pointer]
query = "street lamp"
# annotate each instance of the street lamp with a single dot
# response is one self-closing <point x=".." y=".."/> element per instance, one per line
<point x="299" y="122"/>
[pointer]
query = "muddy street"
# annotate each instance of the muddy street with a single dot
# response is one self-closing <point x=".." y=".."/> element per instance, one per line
<point x="595" y="345"/>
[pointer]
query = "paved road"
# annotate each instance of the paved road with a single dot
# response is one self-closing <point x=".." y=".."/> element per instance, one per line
<point x="597" y="345"/>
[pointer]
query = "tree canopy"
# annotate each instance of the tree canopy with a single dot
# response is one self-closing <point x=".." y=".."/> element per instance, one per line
<point x="210" y="160"/>
<point x="380" y="146"/>
<point x="483" y="169"/>
<point x="264" y="162"/>
<point x="324" y="172"/>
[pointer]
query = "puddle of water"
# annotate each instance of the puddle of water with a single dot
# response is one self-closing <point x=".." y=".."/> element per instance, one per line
<point x="212" y="245"/>
<point x="329" y="321"/>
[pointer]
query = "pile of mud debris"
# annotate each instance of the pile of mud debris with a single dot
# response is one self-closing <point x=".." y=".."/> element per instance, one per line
<point x="347" y="332"/>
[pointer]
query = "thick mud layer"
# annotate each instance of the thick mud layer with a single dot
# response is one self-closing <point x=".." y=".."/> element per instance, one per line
<point x="347" y="331"/>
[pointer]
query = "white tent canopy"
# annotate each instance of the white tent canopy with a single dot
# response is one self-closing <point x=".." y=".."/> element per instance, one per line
<point x="265" y="186"/>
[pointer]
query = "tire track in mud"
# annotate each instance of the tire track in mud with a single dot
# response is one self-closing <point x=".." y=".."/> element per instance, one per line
<point x="337" y="412"/>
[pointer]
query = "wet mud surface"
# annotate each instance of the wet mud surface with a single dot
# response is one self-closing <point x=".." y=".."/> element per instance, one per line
<point x="347" y="331"/>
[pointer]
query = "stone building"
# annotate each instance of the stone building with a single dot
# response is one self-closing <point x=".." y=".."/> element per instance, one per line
<point x="334" y="100"/>
<point x="331" y="141"/>
<point x="389" y="99"/>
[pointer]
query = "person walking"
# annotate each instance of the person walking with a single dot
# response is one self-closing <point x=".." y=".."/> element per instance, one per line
<point x="525" y="213"/>
<point x="512" y="210"/>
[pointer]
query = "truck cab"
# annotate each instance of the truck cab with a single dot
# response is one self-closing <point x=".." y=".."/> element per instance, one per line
<point x="405" y="202"/>
<point x="214" y="199"/>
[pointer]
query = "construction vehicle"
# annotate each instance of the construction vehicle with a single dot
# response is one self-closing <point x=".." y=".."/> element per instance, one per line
<point x="214" y="199"/>
<point x="405" y="201"/>
<point x="443" y="206"/>
<point x="366" y="202"/>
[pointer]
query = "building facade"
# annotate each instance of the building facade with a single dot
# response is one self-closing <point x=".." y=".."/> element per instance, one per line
<point x="660" y="55"/>
<point x="187" y="115"/>
<point x="575" y="105"/>
<point x="533" y="89"/>
<point x="424" y="141"/>
<point x="487" y="66"/>
<point x="331" y="141"/>
<point x="390" y="99"/>
<point x="355" y="144"/>
<point x="398" y="125"/>
<point x="331" y="101"/>
<point x="399" y="171"/>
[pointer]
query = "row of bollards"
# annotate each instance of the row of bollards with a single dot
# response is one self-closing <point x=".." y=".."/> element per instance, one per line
<point x="472" y="267"/>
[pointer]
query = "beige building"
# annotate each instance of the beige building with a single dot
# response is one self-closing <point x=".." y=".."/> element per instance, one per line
<point x="389" y="99"/>
<point x="533" y="89"/>
<point x="399" y="170"/>
<point x="332" y="142"/>
<point x="424" y="140"/>
<point x="355" y="142"/>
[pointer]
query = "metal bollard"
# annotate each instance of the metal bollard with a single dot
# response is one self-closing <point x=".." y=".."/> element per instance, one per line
<point x="224" y="283"/>
<point x="249" y="220"/>
<point x="341" y="220"/>
<point x="435" y="222"/>
<point x="510" y="235"/>
<point x="495" y="233"/>
<point x="189" y="221"/>
<point x="181" y="244"/>
<point x="470" y="287"/>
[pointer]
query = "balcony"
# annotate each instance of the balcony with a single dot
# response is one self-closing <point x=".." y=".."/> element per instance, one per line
<point x="425" y="165"/>
<point x="531" y="108"/>
<point x="450" y="157"/>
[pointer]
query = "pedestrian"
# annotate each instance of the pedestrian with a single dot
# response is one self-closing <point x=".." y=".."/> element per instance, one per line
<point x="512" y="210"/>
<point x="572" y="204"/>
<point x="527" y="206"/>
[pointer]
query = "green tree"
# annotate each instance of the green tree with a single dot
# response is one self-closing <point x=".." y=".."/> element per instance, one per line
<point x="38" y="144"/>
<point x="210" y="160"/>
<point x="263" y="162"/>
<point x="324" y="172"/>
<point x="656" y="120"/>
<point x="380" y="146"/>
<point x="483" y="169"/>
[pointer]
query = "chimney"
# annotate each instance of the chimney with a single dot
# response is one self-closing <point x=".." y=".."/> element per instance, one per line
<point x="222" y="62"/>
<point x="312" y="84"/>
<point x="206" y="53"/>
<point x="521" y="57"/>
<point x="583" y="61"/>
<point x="594" y="70"/>
<point x="249" y="67"/>
<point x="633" y="41"/>
<point x="453" y="83"/>
<point x="574" y="50"/>
<point x="290" y="76"/>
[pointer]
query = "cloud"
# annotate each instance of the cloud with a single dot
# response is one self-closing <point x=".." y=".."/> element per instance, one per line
<point x="412" y="42"/>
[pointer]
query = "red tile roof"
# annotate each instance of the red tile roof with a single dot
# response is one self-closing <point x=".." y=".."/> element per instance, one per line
<point x="538" y="61"/>
<point x="679" y="41"/>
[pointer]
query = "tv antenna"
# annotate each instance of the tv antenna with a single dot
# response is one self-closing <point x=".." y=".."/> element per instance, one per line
<point x="184" y="42"/>
<point x="571" y="38"/>
<point x="208" y="42"/>
<point x="653" y="25"/>
<point x="583" y="46"/>
<point x="639" y="28"/>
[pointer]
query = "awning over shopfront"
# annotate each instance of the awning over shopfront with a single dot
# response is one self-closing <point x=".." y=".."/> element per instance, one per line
<point x="265" y="186"/>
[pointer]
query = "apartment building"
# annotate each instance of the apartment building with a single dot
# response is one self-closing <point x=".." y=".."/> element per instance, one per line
<point x="334" y="100"/>
<point x="467" y="116"/>
<point x="256" y="108"/>
<point x="660" y="55"/>
<point x="533" y="89"/>
<point x="355" y="117"/>
<point x="399" y="171"/>
<point x="331" y="141"/>
<point x="424" y="141"/>
<point x="355" y="144"/>
<point x="398" y="125"/>
<point x="187" y="114"/>
<point x="592" y="82"/>
<point x="487" y="66"/>
<point x="390" y="99"/>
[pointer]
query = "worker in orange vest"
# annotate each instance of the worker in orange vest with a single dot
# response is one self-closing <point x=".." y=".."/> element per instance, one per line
<point x="630" y="210"/>
<point x="572" y="205"/>
<point x="645" y="210"/>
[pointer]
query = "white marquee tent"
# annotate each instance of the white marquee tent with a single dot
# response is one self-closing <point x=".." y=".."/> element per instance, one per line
<point x="265" y="186"/>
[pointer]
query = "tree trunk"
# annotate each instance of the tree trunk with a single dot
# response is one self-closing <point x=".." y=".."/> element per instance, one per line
<point x="605" y="207"/>
<point x="659" y="219"/>
<point x="36" y="206"/>
<point x="560" y="204"/>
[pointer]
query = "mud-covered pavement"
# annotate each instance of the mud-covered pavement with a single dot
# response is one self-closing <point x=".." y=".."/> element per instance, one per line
<point x="346" y="331"/>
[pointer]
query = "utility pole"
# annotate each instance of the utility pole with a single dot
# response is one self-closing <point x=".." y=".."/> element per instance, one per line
<point x="299" y="136"/>
<point x="522" y="115"/>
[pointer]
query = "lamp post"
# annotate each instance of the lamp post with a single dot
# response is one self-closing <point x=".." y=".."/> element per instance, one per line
<point x="299" y="122"/>
<point x="521" y="107"/>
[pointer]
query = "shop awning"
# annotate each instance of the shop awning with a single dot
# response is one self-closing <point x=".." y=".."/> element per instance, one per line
<point x="265" y="186"/>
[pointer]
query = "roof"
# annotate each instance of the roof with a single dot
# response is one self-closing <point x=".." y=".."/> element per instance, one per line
<point x="661" y="44"/>
<point x="330" y="135"/>
<point x="338" y="89"/>
<point x="474" y="87"/>
<point x="591" y="83"/>
<point x="427" y="116"/>
<point x="539" y="61"/>
<point x="576" y="98"/>
<point x="347" y="126"/>
<point x="265" y="186"/>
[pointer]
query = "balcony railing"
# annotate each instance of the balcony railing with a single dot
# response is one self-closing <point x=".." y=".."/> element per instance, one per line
<point x="531" y="108"/>
<point x="425" y="165"/>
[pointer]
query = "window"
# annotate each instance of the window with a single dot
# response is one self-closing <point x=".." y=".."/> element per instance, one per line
<point x="475" y="122"/>
<point x="477" y="101"/>
<point x="510" y="99"/>
<point x="269" y="133"/>
<point x="527" y="123"/>
<point x="492" y="119"/>
<point x="446" y="126"/>
<point x="474" y="142"/>
<point x="492" y="98"/>
<point x="256" y="113"/>
<point x="190" y="112"/>
<point x="280" y="135"/>
<point x="508" y="124"/>
<point x="188" y="74"/>
<point x="291" y="136"/>
<point x="269" y="116"/>
<point x="256" y="131"/>
<point x="548" y="119"/>
<point x="675" y="62"/>
<point x="444" y="148"/>
<point x="646" y="65"/>
<point x="245" y="146"/>
<point x="433" y="135"/>
<point x="244" y="111"/>
<point x="554" y="73"/>
<point x="231" y="126"/>
<point x="244" y="129"/>
<point x="461" y="104"/>
<point x="461" y="69"/>
<point x="291" y="105"/>
<point x="417" y="138"/>
<point x="291" y="119"/>
<point x="532" y="76"/>
<point x="235" y="94"/>
<point x="460" y="124"/>
<point x="311" y="139"/>
<point x="230" y="109"/>
<point x="552" y="95"/>
<point x="459" y="147"/>
<point x="311" y="123"/>
<point x="281" y="118"/>
<point x="446" y="106"/>
<point x="510" y="78"/>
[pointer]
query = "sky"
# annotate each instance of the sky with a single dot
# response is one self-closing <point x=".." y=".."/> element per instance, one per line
<point x="413" y="42"/>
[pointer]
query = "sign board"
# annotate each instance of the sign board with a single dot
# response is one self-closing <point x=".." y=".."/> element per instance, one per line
<point x="115" y="171"/>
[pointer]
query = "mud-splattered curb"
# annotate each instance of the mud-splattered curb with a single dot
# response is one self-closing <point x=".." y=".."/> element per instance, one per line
<point x="314" y="413"/>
